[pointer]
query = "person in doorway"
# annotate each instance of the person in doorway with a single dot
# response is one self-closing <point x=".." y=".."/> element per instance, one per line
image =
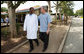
<point x="2" y="20"/>
<point x="31" y="26"/>
<point x="7" y="20"/>
<point x="44" y="20"/>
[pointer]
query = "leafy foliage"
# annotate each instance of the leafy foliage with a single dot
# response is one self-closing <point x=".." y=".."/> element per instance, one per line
<point x="79" y="12"/>
<point x="13" y="4"/>
<point x="64" y="7"/>
<point x="3" y="9"/>
<point x="67" y="7"/>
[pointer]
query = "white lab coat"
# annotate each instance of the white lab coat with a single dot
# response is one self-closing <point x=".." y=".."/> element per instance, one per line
<point x="31" y="26"/>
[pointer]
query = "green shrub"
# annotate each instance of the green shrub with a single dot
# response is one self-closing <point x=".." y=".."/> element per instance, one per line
<point x="4" y="32"/>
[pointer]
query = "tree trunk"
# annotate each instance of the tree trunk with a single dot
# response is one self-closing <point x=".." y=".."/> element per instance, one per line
<point x="56" y="16"/>
<point x="56" y="10"/>
<point x="49" y="7"/>
<point x="60" y="18"/>
<point x="12" y="17"/>
<point x="66" y="18"/>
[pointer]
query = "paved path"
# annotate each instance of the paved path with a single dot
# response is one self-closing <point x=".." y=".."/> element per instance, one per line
<point x="55" y="38"/>
<point x="74" y="41"/>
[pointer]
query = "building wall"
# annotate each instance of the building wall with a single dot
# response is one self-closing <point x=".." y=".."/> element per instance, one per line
<point x="37" y="12"/>
<point x="23" y="14"/>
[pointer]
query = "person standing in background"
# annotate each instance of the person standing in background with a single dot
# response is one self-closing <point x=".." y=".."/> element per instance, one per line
<point x="7" y="20"/>
<point x="2" y="20"/>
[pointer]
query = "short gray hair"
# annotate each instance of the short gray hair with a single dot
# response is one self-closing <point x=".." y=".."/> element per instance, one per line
<point x="45" y="8"/>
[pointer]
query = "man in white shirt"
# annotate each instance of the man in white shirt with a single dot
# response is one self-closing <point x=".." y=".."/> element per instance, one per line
<point x="31" y="26"/>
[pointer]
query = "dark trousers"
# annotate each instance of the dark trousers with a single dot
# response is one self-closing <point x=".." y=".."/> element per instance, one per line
<point x="31" y="42"/>
<point x="45" y="38"/>
<point x="7" y="23"/>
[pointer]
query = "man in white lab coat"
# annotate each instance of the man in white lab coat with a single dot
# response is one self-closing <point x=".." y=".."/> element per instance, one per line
<point x="31" y="26"/>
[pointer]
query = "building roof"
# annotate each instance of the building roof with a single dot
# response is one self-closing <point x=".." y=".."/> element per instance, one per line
<point x="22" y="10"/>
<point x="26" y="10"/>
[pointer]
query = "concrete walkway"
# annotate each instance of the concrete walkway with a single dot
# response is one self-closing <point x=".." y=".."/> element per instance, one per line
<point x="55" y="39"/>
<point x="74" y="41"/>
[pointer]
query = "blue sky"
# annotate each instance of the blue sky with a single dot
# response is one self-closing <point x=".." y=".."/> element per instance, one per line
<point x="77" y="5"/>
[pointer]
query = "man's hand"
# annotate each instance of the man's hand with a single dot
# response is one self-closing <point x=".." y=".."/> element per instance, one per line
<point x="47" y="32"/>
<point x="48" y="29"/>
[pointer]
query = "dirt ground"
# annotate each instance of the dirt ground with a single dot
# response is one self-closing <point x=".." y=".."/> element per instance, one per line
<point x="7" y="42"/>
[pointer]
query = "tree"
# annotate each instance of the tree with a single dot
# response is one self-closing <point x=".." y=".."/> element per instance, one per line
<point x="66" y="8"/>
<point x="70" y="12"/>
<point x="57" y="4"/>
<point x="3" y="9"/>
<point x="56" y="7"/>
<point x="12" y="5"/>
<point x="49" y="7"/>
<point x="79" y="12"/>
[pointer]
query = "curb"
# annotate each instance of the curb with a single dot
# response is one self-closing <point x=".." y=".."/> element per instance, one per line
<point x="64" y="39"/>
<point x="11" y="50"/>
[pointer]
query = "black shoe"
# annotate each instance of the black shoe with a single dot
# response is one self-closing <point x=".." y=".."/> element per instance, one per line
<point x="30" y="50"/>
<point x="37" y="44"/>
<point x="43" y="50"/>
